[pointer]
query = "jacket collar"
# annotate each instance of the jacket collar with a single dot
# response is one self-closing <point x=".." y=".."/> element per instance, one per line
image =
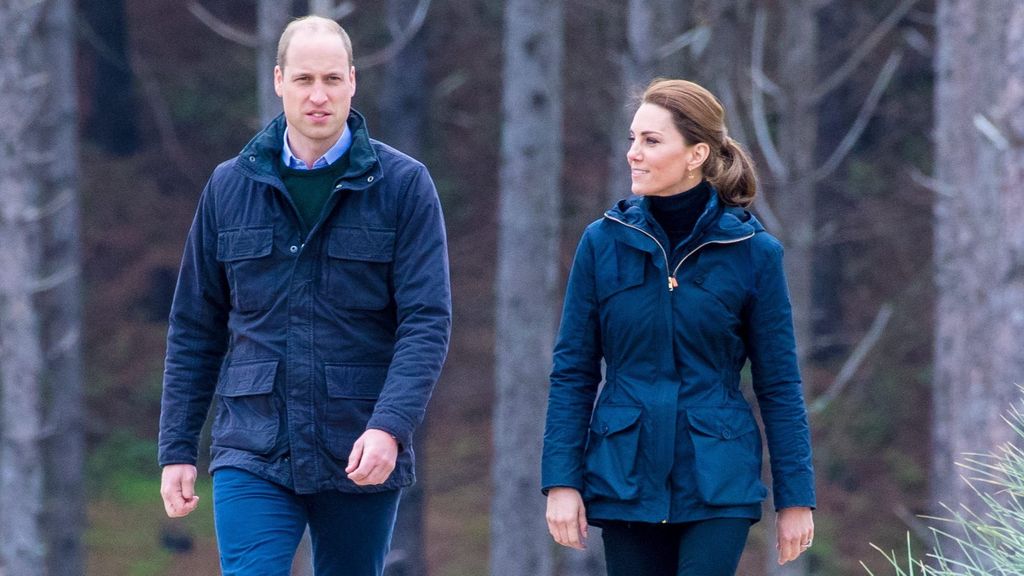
<point x="258" y="159"/>
<point x="718" y="223"/>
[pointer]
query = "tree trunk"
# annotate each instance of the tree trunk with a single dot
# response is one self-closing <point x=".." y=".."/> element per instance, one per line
<point x="794" y="197"/>
<point x="404" y="100"/>
<point x="272" y="17"/>
<point x="979" y="242"/>
<point x="527" y="280"/>
<point x="61" y="306"/>
<point x="23" y="79"/>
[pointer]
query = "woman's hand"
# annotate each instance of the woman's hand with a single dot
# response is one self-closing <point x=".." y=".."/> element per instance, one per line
<point x="795" y="527"/>
<point x="567" y="517"/>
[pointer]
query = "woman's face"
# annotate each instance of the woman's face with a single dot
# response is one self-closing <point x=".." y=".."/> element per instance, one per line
<point x="661" y="163"/>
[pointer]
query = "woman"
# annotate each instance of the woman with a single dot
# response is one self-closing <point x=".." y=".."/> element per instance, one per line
<point x="675" y="289"/>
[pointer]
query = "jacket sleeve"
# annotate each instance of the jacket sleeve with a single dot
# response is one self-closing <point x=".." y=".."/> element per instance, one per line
<point x="197" y="339"/>
<point x="574" y="378"/>
<point x="423" y="305"/>
<point x="776" y="378"/>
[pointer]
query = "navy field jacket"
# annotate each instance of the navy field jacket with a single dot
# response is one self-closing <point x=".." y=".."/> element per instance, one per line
<point x="304" y="342"/>
<point x="671" y="437"/>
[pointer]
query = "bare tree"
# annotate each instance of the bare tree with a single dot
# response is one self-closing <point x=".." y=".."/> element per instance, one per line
<point x="272" y="17"/>
<point x="37" y="132"/>
<point x="527" y="280"/>
<point x="61" y="303"/>
<point x="979" y="242"/>
<point x="404" y="100"/>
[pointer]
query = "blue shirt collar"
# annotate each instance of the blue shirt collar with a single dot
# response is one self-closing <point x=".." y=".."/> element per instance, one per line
<point x="332" y="154"/>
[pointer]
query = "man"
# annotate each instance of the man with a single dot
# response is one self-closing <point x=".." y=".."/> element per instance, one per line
<point x="313" y="309"/>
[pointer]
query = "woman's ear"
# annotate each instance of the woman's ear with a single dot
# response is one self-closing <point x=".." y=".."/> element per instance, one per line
<point x="699" y="154"/>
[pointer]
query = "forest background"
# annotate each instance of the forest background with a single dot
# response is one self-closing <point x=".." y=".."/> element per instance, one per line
<point x="868" y="166"/>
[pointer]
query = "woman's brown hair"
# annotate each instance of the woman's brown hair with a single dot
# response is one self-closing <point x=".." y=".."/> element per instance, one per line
<point x="699" y="117"/>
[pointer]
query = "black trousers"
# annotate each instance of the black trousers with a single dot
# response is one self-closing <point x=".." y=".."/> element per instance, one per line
<point x="705" y="548"/>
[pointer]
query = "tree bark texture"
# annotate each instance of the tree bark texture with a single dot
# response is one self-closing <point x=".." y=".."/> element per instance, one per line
<point x="23" y="77"/>
<point x="527" y="288"/>
<point x="272" y="16"/>
<point x="61" y="303"/>
<point x="404" y="101"/>
<point x="793" y="196"/>
<point x="979" y="242"/>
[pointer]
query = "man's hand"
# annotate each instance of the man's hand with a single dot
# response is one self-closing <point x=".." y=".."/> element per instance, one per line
<point x="372" y="458"/>
<point x="567" y="517"/>
<point x="795" y="527"/>
<point x="178" y="489"/>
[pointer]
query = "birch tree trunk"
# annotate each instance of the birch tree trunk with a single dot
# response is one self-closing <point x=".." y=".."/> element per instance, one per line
<point x="23" y="78"/>
<point x="527" y="280"/>
<point x="979" y="240"/>
<point x="404" y="100"/>
<point x="61" y="304"/>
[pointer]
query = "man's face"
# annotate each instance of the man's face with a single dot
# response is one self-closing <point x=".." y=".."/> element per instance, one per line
<point x="316" y="87"/>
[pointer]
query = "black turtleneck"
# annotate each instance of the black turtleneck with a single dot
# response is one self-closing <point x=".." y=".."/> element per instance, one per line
<point x="678" y="214"/>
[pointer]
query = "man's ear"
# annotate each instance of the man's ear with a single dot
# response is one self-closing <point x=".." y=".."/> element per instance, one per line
<point x="278" y="80"/>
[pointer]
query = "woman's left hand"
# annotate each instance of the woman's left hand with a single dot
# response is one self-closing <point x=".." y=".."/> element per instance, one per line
<point x="795" y="527"/>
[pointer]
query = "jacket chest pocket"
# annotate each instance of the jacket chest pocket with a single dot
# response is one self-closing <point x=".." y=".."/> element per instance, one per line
<point x="246" y="255"/>
<point x="357" y="271"/>
<point x="727" y="449"/>
<point x="619" y="270"/>
<point x="247" y="417"/>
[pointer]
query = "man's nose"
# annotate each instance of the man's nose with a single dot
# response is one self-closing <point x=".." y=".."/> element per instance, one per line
<point x="319" y="95"/>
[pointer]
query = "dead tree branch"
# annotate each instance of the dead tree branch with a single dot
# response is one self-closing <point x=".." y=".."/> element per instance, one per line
<point x="842" y="74"/>
<point x="867" y="110"/>
<point x="758" y="116"/>
<point x="400" y="41"/>
<point x="222" y="28"/>
<point x="853" y="363"/>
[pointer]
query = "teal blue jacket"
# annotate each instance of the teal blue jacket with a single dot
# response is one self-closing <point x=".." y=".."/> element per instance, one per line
<point x="671" y="436"/>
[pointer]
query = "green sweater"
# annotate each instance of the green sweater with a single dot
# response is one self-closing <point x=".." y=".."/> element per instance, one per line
<point x="310" y="189"/>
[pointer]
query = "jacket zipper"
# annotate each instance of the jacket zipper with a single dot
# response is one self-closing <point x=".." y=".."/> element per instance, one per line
<point x="672" y="282"/>
<point x="675" y="271"/>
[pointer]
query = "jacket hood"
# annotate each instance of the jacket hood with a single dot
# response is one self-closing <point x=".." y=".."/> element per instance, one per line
<point x="258" y="159"/>
<point x="719" y="222"/>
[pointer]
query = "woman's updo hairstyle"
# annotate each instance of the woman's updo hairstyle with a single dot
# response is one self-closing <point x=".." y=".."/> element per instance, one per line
<point x="699" y="117"/>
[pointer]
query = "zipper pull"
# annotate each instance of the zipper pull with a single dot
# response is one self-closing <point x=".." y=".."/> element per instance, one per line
<point x="672" y="283"/>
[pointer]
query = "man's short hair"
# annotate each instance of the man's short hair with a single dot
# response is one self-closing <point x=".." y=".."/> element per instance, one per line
<point x="311" y="24"/>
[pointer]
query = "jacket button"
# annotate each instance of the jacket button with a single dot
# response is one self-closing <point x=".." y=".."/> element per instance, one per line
<point x="699" y="280"/>
<point x="252" y="158"/>
<point x="293" y="249"/>
<point x="727" y="434"/>
<point x="604" y="429"/>
<point x="369" y="178"/>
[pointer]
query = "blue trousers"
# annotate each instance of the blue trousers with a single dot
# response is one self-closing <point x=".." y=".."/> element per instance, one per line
<point x="259" y="525"/>
<point x="705" y="548"/>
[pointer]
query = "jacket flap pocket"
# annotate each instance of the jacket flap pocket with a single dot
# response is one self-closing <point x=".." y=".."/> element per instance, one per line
<point x="367" y="244"/>
<point x="248" y="379"/>
<point x="245" y="243"/>
<point x="609" y="419"/>
<point x="355" y="380"/>
<point x="724" y="423"/>
<point x="624" y="271"/>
